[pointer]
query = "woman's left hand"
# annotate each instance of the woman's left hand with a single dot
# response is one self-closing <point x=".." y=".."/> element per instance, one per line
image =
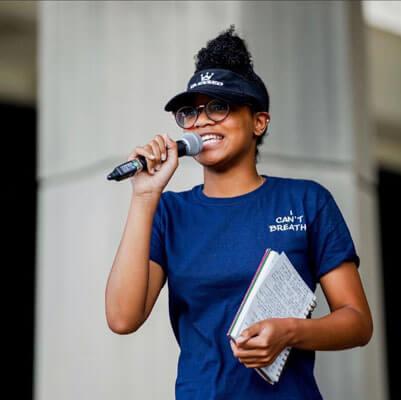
<point x="263" y="342"/>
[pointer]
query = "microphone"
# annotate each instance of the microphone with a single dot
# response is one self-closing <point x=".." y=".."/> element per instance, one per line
<point x="190" y="144"/>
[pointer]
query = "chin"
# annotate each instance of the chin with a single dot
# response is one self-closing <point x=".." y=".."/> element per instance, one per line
<point x="218" y="163"/>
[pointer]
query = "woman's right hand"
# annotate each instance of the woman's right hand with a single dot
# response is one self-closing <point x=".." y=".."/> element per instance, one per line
<point x="159" y="171"/>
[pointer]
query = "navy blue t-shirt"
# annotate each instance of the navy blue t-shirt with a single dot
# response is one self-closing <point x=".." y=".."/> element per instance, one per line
<point x="210" y="248"/>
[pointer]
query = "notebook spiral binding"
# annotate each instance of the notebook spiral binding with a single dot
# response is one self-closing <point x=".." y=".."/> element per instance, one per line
<point x="310" y="308"/>
<point x="281" y="365"/>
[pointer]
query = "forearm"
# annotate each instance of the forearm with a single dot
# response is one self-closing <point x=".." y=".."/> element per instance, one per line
<point x="342" y="329"/>
<point x="127" y="285"/>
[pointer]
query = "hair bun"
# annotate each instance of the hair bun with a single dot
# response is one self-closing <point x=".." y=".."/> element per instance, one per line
<point x="226" y="51"/>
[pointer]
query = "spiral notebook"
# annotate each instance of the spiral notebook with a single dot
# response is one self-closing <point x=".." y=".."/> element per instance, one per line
<point x="276" y="291"/>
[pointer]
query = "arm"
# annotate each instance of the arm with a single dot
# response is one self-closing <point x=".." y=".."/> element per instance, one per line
<point x="127" y="285"/>
<point x="350" y="322"/>
<point x="348" y="325"/>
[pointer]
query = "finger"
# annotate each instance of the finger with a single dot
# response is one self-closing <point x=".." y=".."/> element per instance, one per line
<point x="253" y="365"/>
<point x="242" y="341"/>
<point x="172" y="147"/>
<point x="162" y="149"/>
<point x="132" y="155"/>
<point x="254" y="355"/>
<point x="263" y="361"/>
<point x="252" y="343"/>
<point x="162" y="142"/>
<point x="250" y="354"/>
<point x="156" y="152"/>
<point x="139" y="150"/>
<point x="154" y="161"/>
<point x="146" y="151"/>
<point x="260" y="359"/>
<point x="234" y="348"/>
<point x="245" y="353"/>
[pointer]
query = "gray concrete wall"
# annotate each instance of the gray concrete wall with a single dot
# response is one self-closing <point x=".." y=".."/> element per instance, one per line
<point x="106" y="71"/>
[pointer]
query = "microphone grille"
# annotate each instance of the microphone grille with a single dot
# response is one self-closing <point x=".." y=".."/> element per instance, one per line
<point x="193" y="143"/>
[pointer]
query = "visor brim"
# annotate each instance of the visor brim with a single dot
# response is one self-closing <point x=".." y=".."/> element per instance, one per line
<point x="183" y="98"/>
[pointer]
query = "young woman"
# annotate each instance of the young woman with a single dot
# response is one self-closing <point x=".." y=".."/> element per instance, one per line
<point x="208" y="242"/>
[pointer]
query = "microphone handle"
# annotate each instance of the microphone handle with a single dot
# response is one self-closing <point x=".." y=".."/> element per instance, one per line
<point x="130" y="168"/>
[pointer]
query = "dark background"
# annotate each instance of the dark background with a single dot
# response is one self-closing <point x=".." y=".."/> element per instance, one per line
<point x="389" y="199"/>
<point x="19" y="243"/>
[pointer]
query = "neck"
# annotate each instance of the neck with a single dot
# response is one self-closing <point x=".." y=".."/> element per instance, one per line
<point x="231" y="183"/>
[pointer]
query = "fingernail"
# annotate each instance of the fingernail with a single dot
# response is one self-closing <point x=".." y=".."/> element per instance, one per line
<point x="152" y="157"/>
<point x="158" y="167"/>
<point x="164" y="156"/>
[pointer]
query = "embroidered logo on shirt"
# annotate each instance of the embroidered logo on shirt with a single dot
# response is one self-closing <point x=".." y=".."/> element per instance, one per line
<point x="288" y="223"/>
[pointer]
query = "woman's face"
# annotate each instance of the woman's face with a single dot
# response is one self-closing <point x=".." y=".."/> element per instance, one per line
<point x="237" y="129"/>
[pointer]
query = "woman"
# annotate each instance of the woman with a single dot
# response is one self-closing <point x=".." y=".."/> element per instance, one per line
<point x="208" y="242"/>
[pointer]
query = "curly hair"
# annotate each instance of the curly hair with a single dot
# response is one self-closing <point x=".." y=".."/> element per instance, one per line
<point x="229" y="51"/>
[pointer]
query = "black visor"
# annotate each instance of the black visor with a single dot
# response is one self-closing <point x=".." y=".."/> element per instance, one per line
<point x="224" y="85"/>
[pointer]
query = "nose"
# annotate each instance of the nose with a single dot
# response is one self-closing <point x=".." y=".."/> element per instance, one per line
<point x="202" y="119"/>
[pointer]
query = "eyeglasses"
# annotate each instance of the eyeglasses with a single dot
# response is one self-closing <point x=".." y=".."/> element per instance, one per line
<point x="216" y="110"/>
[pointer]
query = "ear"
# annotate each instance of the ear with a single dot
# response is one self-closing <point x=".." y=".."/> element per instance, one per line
<point x="260" y="122"/>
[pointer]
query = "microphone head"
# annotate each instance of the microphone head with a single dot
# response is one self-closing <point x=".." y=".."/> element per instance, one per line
<point x="193" y="143"/>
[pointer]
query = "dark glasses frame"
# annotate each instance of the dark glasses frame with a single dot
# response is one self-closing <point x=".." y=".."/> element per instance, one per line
<point x="201" y="107"/>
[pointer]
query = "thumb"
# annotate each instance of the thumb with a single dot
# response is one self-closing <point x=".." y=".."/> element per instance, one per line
<point x="242" y="338"/>
<point x="247" y="333"/>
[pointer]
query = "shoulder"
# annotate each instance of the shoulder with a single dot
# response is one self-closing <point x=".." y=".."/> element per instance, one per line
<point x="307" y="196"/>
<point x="308" y="188"/>
<point x="170" y="199"/>
<point x="170" y="195"/>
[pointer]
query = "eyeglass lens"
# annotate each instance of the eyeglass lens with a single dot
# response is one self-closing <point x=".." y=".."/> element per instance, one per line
<point x="216" y="110"/>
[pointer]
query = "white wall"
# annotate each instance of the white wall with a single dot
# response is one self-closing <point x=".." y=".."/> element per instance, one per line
<point x="106" y="71"/>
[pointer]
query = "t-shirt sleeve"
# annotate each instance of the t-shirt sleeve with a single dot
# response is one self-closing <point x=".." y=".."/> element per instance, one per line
<point x="331" y="241"/>
<point x="157" y="240"/>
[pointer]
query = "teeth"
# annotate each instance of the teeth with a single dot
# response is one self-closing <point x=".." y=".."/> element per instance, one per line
<point x="208" y="137"/>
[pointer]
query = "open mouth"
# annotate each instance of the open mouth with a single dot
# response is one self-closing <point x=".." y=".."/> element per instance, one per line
<point x="212" y="139"/>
